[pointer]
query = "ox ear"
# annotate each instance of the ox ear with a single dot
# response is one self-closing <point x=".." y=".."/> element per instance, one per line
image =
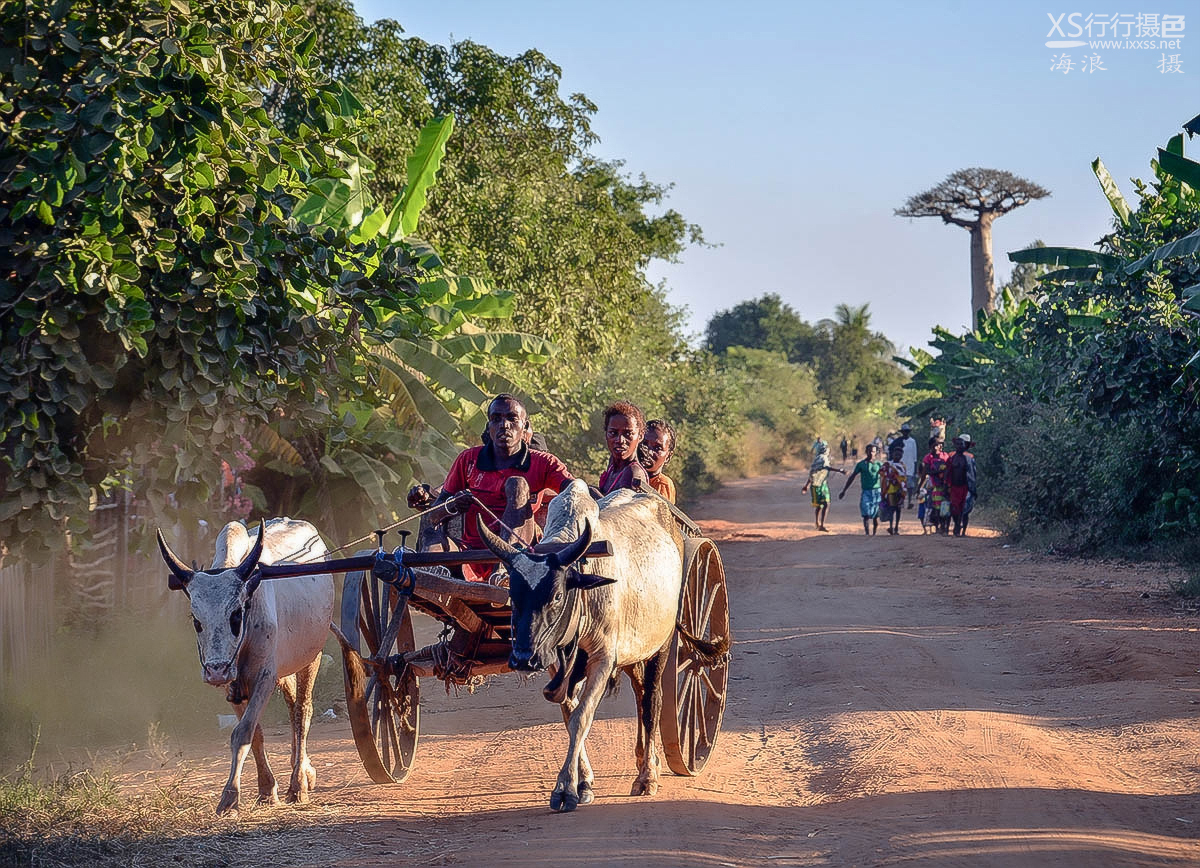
<point x="573" y="551"/>
<point x="246" y="567"/>
<point x="587" y="581"/>
<point x="498" y="547"/>
<point x="180" y="574"/>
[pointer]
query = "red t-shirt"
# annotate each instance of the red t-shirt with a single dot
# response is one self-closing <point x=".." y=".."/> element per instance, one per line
<point x="475" y="469"/>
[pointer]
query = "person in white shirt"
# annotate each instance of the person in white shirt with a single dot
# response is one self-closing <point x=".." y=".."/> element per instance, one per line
<point x="909" y="458"/>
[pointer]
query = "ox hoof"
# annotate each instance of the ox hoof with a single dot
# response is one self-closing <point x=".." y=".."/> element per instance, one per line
<point x="297" y="798"/>
<point x="228" y="803"/>
<point x="643" y="788"/>
<point x="563" y="800"/>
<point x="271" y="798"/>
<point x="587" y="795"/>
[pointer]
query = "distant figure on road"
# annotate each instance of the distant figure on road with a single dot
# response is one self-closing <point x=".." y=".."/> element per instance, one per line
<point x="868" y="502"/>
<point x="845" y="448"/>
<point x="893" y="485"/>
<point x="818" y="480"/>
<point x="960" y="477"/>
<point x="933" y="468"/>
<point x="909" y="443"/>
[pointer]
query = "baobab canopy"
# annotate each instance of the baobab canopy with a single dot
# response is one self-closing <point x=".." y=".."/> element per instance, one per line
<point x="972" y="199"/>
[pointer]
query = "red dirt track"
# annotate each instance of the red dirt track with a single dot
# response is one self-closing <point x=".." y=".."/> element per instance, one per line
<point x="893" y="700"/>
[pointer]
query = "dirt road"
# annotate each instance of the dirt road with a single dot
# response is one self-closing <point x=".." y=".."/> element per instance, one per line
<point x="893" y="700"/>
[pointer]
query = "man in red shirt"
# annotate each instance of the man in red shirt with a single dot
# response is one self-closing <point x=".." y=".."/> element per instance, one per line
<point x="483" y="470"/>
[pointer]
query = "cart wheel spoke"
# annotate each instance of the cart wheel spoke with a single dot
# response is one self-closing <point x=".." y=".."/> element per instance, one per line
<point x="384" y="711"/>
<point x="694" y="692"/>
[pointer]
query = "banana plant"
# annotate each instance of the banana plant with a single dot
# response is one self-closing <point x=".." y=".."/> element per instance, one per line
<point x="422" y="356"/>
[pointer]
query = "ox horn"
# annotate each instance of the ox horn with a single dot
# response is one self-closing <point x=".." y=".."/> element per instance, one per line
<point x="180" y="574"/>
<point x="499" y="547"/>
<point x="246" y="567"/>
<point x="573" y="551"/>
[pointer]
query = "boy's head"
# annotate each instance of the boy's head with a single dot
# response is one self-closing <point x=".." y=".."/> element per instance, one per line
<point x="871" y="450"/>
<point x="657" y="447"/>
<point x="624" y="428"/>
<point x="896" y="451"/>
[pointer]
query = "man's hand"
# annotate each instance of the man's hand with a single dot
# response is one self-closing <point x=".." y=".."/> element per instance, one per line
<point x="841" y="494"/>
<point x="419" y="497"/>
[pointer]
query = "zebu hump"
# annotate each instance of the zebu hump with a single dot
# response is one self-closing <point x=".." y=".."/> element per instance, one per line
<point x="567" y="510"/>
<point x="292" y="541"/>
<point x="288" y="540"/>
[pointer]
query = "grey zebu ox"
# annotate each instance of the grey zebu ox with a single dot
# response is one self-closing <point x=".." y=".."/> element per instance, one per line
<point x="589" y="628"/>
<point x="252" y="637"/>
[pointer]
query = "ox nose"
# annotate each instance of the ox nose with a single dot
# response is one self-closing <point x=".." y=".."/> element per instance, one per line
<point x="217" y="674"/>
<point x="522" y="661"/>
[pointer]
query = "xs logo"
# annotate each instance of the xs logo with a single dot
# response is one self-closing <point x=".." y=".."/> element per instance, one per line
<point x="1056" y="24"/>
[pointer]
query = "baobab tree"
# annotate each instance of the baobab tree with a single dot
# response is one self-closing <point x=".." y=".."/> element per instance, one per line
<point x="973" y="199"/>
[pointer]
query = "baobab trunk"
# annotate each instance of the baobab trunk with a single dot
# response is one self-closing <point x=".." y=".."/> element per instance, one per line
<point x="983" y="294"/>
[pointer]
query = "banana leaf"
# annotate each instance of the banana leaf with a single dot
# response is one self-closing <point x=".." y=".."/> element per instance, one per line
<point x="1070" y="257"/>
<point x="423" y="165"/>
<point x="426" y="404"/>
<point x="1187" y="171"/>
<point x="371" y="475"/>
<point x="1062" y="275"/>
<point x="1111" y="192"/>
<point x="512" y="345"/>
<point x="1188" y="245"/>
<point x="1191" y="298"/>
<point x="440" y="371"/>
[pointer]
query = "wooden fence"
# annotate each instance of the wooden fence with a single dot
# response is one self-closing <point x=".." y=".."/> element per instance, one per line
<point x="97" y="577"/>
<point x="26" y="616"/>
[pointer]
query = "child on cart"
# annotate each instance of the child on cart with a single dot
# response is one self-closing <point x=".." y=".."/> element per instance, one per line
<point x="655" y="451"/>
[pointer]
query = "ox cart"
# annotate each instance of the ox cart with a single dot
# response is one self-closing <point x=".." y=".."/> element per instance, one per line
<point x="383" y="666"/>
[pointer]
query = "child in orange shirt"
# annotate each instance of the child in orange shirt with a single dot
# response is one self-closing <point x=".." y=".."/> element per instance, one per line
<point x="656" y="450"/>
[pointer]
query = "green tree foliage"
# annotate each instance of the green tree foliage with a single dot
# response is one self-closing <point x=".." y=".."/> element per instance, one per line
<point x="781" y="398"/>
<point x="521" y="202"/>
<point x="1083" y="395"/>
<point x="161" y="302"/>
<point x="853" y="364"/>
<point x="764" y="323"/>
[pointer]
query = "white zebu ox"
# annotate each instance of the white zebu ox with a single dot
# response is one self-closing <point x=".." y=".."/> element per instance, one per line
<point x="589" y="628"/>
<point x="252" y="636"/>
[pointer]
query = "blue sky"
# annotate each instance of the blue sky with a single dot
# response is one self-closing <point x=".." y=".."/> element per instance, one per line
<point x="792" y="130"/>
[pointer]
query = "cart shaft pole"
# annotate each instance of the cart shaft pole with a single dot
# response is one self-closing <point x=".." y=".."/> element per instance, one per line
<point x="599" y="549"/>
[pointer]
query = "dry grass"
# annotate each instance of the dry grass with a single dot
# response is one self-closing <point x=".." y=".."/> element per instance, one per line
<point x="85" y="817"/>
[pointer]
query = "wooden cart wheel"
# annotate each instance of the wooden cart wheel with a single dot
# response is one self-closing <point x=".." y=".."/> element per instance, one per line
<point x="383" y="704"/>
<point x="694" y="693"/>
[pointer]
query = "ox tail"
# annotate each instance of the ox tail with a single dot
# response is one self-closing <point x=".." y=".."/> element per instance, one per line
<point x="356" y="670"/>
<point x="708" y="653"/>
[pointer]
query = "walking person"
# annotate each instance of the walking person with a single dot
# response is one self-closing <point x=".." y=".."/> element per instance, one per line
<point x="960" y="478"/>
<point x="933" y="469"/>
<point x="818" y="481"/>
<point x="845" y="448"/>
<point x="868" y="502"/>
<point x="909" y="457"/>
<point x="893" y="483"/>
